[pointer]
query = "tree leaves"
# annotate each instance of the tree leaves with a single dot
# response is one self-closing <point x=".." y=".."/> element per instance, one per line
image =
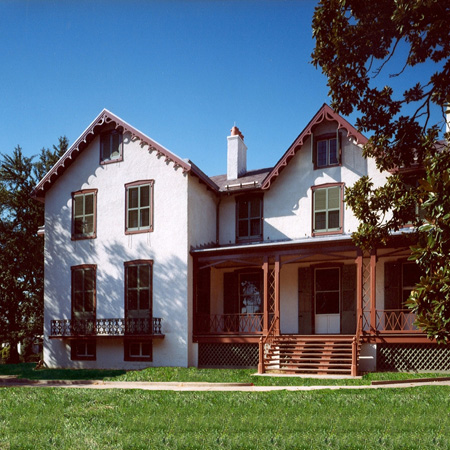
<point x="21" y="249"/>
<point x="355" y="42"/>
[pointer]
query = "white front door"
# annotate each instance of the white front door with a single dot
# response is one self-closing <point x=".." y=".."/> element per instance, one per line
<point x="327" y="283"/>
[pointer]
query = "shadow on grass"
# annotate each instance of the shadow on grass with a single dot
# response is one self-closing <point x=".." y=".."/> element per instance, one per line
<point x="27" y="370"/>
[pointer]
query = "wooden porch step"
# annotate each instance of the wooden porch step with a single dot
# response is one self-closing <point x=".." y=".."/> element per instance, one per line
<point x="310" y="354"/>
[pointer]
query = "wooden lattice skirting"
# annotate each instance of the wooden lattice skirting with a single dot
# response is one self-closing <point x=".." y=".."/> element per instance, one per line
<point x="227" y="355"/>
<point x="413" y="357"/>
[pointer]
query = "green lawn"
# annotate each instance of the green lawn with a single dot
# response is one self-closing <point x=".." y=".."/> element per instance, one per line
<point x="192" y="374"/>
<point x="45" y="418"/>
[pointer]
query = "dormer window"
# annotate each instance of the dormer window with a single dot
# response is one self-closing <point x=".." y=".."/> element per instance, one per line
<point x="111" y="147"/>
<point x="327" y="151"/>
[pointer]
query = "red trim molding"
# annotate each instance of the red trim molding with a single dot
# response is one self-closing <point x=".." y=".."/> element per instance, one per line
<point x="325" y="114"/>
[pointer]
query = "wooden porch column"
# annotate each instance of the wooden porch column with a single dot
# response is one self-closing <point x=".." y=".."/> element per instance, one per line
<point x="266" y="296"/>
<point x="359" y="290"/>
<point x="277" y="293"/>
<point x="194" y="294"/>
<point x="373" y="287"/>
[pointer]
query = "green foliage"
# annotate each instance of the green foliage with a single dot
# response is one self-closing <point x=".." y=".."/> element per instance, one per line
<point x="21" y="249"/>
<point x="403" y="142"/>
<point x="129" y="419"/>
<point x="5" y="353"/>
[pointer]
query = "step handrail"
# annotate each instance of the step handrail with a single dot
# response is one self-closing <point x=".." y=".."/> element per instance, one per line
<point x="355" y="345"/>
<point x="264" y="340"/>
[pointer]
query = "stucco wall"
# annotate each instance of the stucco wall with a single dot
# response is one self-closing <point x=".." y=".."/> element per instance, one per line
<point x="288" y="202"/>
<point x="167" y="246"/>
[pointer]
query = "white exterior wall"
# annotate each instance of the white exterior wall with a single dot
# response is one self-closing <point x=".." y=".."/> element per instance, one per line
<point x="288" y="202"/>
<point x="166" y="246"/>
<point x="201" y="230"/>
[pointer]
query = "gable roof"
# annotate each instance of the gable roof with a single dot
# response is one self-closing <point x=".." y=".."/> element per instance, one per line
<point x="325" y="113"/>
<point x="103" y="119"/>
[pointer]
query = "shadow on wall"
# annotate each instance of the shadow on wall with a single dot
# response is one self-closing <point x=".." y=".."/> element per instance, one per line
<point x="170" y="286"/>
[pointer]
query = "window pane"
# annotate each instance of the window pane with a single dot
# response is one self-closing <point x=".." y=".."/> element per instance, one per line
<point x="90" y="348"/>
<point x="320" y="199"/>
<point x="333" y="197"/>
<point x="327" y="303"/>
<point x="132" y="276"/>
<point x="145" y="196"/>
<point x="144" y="299"/>
<point x="133" y="219"/>
<point x="255" y="227"/>
<point x="89" y="204"/>
<point x="144" y="276"/>
<point x="333" y="220"/>
<point x="327" y="279"/>
<point x="79" y="225"/>
<point x="333" y="151"/>
<point x="132" y="299"/>
<point x="89" y="225"/>
<point x="89" y="279"/>
<point x="255" y="208"/>
<point x="243" y="228"/>
<point x="322" y="153"/>
<point x="78" y="301"/>
<point x="145" y="218"/>
<point x="89" y="302"/>
<point x="243" y="209"/>
<point x="78" y="200"/>
<point x="135" y="349"/>
<point x="320" y="221"/>
<point x="115" y="145"/>
<point x="106" y="146"/>
<point x="133" y="196"/>
<point x="146" y="349"/>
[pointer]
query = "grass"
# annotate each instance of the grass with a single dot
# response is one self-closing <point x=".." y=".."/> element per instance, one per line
<point x="411" y="418"/>
<point x="181" y="374"/>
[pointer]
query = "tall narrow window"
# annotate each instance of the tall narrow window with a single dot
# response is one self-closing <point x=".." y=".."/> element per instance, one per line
<point x="139" y="207"/>
<point x="138" y="310"/>
<point x="249" y="218"/>
<point x="327" y="209"/>
<point x="111" y="146"/>
<point x="84" y="206"/>
<point x="83" y="310"/>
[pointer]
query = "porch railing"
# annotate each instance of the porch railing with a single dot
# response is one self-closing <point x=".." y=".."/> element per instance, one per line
<point x="230" y="323"/>
<point x="106" y="327"/>
<point x="396" y="321"/>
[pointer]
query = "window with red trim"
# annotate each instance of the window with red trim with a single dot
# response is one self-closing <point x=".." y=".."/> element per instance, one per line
<point x="328" y="209"/>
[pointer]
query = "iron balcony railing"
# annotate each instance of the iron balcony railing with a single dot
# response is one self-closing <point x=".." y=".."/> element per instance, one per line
<point x="106" y="327"/>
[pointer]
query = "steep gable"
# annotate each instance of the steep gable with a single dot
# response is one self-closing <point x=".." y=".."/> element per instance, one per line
<point x="107" y="119"/>
<point x="325" y="114"/>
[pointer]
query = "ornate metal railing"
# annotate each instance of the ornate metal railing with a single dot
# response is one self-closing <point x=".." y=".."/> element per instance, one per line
<point x="230" y="323"/>
<point x="106" y="327"/>
<point x="396" y="321"/>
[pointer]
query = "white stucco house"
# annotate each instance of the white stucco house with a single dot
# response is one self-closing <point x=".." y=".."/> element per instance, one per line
<point x="150" y="262"/>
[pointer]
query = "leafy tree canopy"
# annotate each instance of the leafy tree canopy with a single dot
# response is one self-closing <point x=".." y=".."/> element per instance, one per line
<point x="356" y="43"/>
<point x="21" y="249"/>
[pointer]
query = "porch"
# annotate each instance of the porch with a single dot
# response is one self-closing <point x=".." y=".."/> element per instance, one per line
<point x="308" y="290"/>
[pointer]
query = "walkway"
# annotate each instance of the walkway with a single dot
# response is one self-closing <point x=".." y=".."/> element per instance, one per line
<point x="211" y="387"/>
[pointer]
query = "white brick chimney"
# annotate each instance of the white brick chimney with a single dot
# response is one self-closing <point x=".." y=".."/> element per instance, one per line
<point x="236" y="155"/>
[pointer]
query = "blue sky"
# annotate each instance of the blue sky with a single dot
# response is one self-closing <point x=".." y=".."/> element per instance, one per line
<point x="182" y="72"/>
